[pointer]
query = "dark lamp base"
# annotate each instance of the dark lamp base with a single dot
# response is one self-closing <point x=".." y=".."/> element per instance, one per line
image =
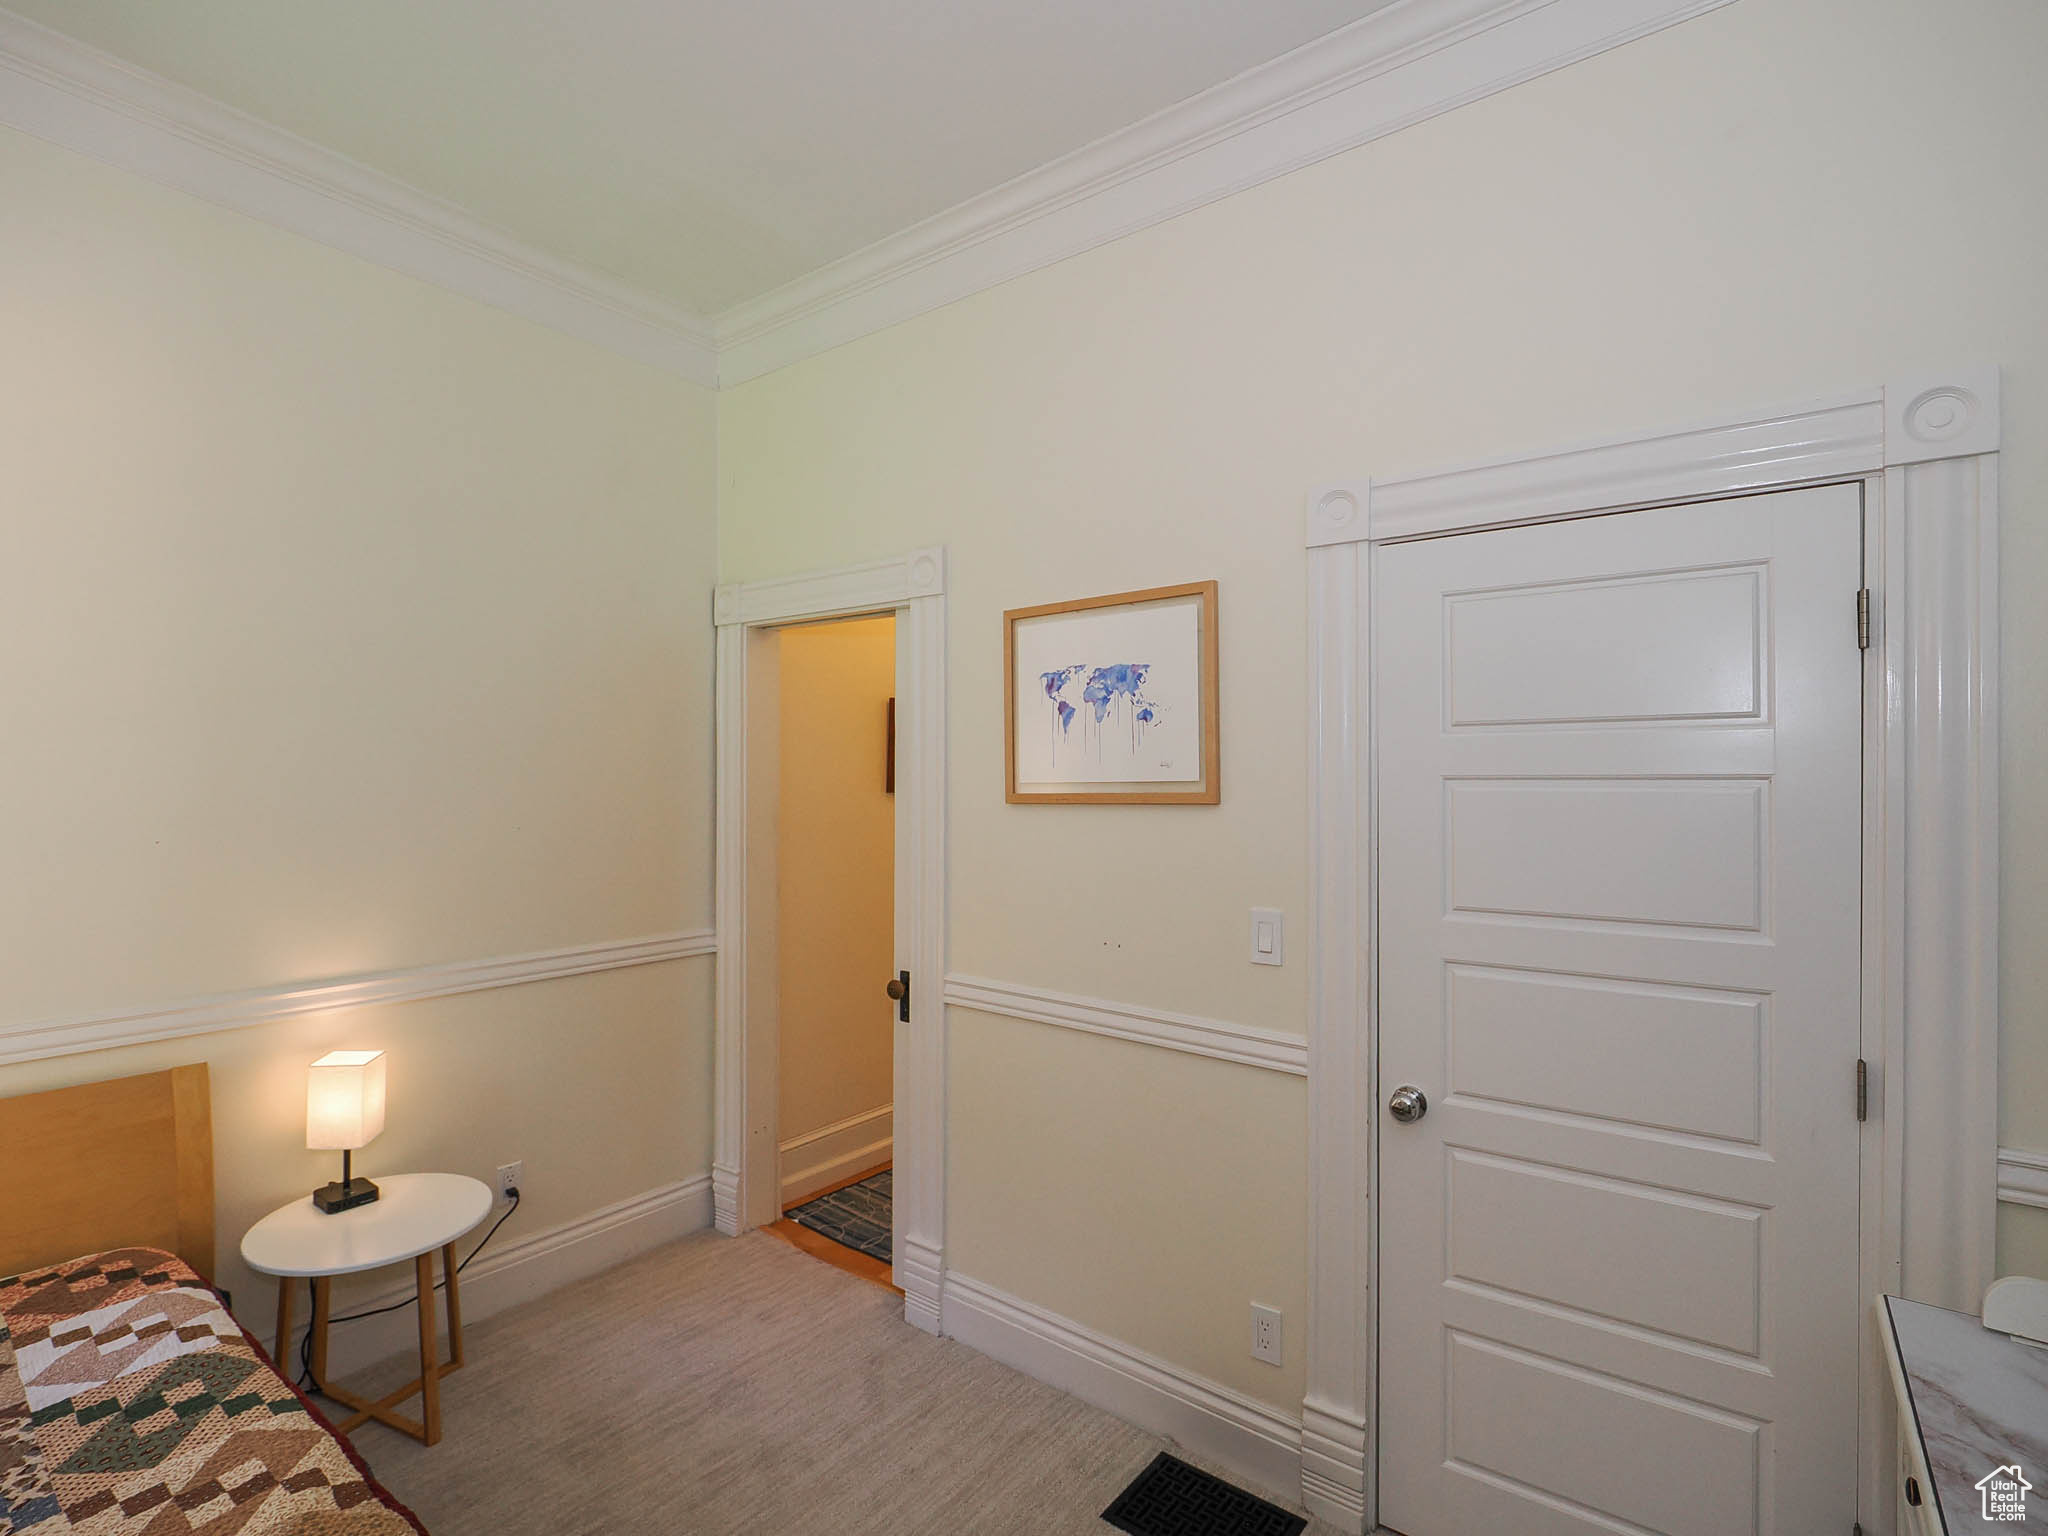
<point x="340" y="1196"/>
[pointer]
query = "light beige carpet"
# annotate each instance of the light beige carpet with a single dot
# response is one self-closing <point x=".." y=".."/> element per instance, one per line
<point x="721" y="1385"/>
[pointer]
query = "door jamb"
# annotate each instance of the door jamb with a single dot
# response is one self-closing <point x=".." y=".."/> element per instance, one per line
<point x="1926" y="450"/>
<point x="744" y="1162"/>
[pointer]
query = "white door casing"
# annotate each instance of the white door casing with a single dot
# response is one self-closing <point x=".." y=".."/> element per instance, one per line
<point x="1926" y="450"/>
<point x="1619" y="777"/>
<point x="744" y="1170"/>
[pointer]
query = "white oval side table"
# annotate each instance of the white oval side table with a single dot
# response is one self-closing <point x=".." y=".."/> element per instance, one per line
<point x="414" y="1214"/>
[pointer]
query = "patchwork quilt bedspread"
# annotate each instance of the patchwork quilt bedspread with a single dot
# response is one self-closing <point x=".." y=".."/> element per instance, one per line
<point x="132" y="1404"/>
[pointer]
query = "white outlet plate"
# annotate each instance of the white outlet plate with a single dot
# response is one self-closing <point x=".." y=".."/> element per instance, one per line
<point x="511" y="1176"/>
<point x="1266" y="1334"/>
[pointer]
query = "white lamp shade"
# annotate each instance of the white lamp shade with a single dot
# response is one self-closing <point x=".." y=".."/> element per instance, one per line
<point x="344" y="1100"/>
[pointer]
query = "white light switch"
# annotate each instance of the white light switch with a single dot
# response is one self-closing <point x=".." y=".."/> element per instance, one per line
<point x="1269" y="936"/>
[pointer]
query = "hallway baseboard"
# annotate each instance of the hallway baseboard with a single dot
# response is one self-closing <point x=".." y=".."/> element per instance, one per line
<point x="833" y="1154"/>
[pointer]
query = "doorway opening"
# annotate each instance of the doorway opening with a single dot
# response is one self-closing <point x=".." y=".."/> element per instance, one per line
<point x="746" y="1158"/>
<point x="833" y="801"/>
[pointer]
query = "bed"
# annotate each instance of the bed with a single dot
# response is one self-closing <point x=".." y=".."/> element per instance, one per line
<point x="131" y="1403"/>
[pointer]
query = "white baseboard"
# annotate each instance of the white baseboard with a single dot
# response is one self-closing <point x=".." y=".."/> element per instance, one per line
<point x="1259" y="1444"/>
<point x="523" y="1269"/>
<point x="919" y="1271"/>
<point x="834" y="1152"/>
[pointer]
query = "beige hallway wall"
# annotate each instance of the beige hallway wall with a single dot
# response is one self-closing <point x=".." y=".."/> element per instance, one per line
<point x="350" y="625"/>
<point x="1699" y="222"/>
<point x="835" y="880"/>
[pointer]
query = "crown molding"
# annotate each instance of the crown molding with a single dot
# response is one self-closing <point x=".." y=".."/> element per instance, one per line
<point x="76" y="96"/>
<point x="1399" y="66"/>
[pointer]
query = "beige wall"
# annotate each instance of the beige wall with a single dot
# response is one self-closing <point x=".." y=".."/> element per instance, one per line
<point x="836" y="856"/>
<point x="1699" y="222"/>
<point x="1153" y="1193"/>
<point x="349" y="625"/>
<point x="2023" y="1240"/>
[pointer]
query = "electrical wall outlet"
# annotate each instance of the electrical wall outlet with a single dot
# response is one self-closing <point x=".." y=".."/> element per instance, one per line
<point x="511" y="1176"/>
<point x="1266" y="1334"/>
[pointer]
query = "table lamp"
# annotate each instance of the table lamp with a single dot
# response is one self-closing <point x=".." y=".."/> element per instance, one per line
<point x="344" y="1111"/>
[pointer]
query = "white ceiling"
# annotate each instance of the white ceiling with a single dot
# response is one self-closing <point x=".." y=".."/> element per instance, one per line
<point x="700" y="152"/>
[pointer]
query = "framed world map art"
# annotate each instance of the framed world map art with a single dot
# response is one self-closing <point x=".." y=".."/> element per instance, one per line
<point x="1112" y="700"/>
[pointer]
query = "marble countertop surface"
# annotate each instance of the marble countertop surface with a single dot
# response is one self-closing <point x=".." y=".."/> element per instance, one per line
<point x="1981" y="1399"/>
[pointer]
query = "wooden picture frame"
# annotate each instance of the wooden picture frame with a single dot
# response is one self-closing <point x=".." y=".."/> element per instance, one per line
<point x="1121" y="692"/>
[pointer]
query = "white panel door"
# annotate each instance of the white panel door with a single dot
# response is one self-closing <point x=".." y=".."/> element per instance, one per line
<point x="1619" y="796"/>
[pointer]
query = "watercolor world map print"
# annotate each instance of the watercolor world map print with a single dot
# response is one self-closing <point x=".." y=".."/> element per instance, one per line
<point x="1110" y="696"/>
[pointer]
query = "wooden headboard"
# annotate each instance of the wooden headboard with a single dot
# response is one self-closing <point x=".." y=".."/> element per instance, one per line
<point x="121" y="1164"/>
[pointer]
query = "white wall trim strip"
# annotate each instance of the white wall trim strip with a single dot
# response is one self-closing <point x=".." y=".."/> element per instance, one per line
<point x="89" y="101"/>
<point x="1259" y="1443"/>
<point x="1197" y="1036"/>
<point x="1394" y="68"/>
<point x="2023" y="1177"/>
<point x="1909" y="421"/>
<point x="866" y="1120"/>
<point x="834" y="1152"/>
<point x="262" y="1005"/>
<point x="1823" y="440"/>
<point x="524" y="1269"/>
<point x="855" y="588"/>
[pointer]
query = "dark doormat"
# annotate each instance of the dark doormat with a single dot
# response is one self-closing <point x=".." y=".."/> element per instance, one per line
<point x="857" y="1216"/>
<point x="1171" y="1498"/>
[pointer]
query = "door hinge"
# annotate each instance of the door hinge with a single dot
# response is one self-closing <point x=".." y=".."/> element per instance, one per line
<point x="1863" y="619"/>
<point x="1862" y="1089"/>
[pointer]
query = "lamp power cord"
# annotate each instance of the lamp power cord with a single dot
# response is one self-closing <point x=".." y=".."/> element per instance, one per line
<point x="305" y="1381"/>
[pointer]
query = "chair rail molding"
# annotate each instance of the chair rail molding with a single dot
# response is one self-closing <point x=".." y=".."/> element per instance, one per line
<point x="1926" y="450"/>
<point x="37" y="1039"/>
<point x="76" y="96"/>
<point x="1214" y="1038"/>
<point x="2023" y="1177"/>
<point x="744" y="1151"/>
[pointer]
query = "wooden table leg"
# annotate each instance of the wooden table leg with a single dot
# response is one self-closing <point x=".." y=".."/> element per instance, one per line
<point x="428" y="1384"/>
<point x="430" y="1353"/>
<point x="284" y="1320"/>
<point x="321" y="1310"/>
<point x="449" y="1268"/>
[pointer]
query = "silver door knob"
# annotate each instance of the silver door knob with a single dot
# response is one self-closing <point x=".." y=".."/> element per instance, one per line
<point x="1408" y="1104"/>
